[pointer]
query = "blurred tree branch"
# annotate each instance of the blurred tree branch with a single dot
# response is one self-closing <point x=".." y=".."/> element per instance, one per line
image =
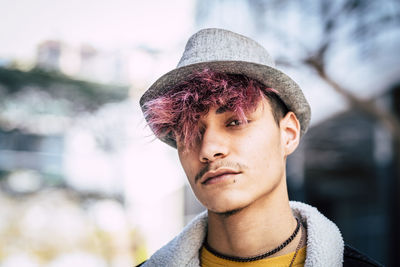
<point x="362" y="21"/>
<point x="367" y="106"/>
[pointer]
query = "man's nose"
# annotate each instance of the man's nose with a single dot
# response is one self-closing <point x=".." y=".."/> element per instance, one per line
<point x="214" y="145"/>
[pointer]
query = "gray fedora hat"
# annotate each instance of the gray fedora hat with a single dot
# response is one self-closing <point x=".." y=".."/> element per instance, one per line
<point x="229" y="52"/>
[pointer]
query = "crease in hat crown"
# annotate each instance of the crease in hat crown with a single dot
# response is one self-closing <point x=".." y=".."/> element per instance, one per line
<point x="225" y="51"/>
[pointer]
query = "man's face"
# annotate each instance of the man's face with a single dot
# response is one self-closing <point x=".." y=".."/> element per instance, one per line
<point x="235" y="163"/>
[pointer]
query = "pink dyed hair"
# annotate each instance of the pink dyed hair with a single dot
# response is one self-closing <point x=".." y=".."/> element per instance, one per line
<point x="176" y="113"/>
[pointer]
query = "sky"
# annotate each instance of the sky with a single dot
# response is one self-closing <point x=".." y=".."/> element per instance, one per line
<point x="106" y="24"/>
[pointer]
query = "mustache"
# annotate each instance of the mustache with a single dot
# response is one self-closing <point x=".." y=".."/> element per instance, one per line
<point x="238" y="167"/>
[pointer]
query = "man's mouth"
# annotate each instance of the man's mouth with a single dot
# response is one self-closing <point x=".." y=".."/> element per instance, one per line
<point x="211" y="177"/>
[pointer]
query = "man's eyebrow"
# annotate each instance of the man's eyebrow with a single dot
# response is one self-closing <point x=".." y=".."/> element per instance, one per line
<point x="221" y="109"/>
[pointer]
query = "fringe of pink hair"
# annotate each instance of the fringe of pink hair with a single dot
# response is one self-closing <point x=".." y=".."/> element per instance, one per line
<point x="177" y="112"/>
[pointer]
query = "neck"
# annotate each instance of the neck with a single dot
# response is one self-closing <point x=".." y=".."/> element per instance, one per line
<point x="255" y="229"/>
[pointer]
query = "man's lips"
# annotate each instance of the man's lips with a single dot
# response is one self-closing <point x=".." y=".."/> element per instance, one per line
<point x="208" y="176"/>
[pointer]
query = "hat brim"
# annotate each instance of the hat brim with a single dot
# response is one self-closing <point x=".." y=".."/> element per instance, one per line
<point x="288" y="90"/>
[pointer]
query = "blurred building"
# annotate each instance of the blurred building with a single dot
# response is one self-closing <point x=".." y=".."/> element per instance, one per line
<point x="137" y="66"/>
<point x="49" y="55"/>
<point x="84" y="62"/>
<point x="68" y="125"/>
<point x="40" y="207"/>
<point x="29" y="162"/>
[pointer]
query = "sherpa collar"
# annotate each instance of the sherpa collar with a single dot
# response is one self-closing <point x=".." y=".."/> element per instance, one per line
<point x="324" y="242"/>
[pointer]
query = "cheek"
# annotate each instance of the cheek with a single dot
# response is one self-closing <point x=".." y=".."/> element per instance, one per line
<point x="263" y="151"/>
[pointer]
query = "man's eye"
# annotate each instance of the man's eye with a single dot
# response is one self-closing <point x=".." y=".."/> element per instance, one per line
<point x="235" y="123"/>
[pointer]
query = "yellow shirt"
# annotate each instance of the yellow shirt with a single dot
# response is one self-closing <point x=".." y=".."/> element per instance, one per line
<point x="210" y="260"/>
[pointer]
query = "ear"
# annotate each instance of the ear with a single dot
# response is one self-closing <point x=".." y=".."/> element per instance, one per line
<point x="290" y="132"/>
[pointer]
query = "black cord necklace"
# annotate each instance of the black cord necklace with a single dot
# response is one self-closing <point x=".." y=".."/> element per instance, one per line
<point x="255" y="258"/>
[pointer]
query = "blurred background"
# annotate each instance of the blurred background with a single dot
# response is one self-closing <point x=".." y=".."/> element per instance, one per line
<point x="84" y="183"/>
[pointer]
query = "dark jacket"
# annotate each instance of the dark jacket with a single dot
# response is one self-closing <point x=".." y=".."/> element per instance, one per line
<point x="353" y="257"/>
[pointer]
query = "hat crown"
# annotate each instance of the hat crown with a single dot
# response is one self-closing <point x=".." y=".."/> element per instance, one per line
<point x="221" y="45"/>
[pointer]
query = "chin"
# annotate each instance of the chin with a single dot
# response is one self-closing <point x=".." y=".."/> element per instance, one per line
<point x="225" y="205"/>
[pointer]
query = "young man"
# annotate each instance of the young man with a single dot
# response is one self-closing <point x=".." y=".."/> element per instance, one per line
<point x="234" y="118"/>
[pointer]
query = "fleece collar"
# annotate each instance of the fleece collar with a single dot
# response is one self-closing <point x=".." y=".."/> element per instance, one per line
<point x="324" y="242"/>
